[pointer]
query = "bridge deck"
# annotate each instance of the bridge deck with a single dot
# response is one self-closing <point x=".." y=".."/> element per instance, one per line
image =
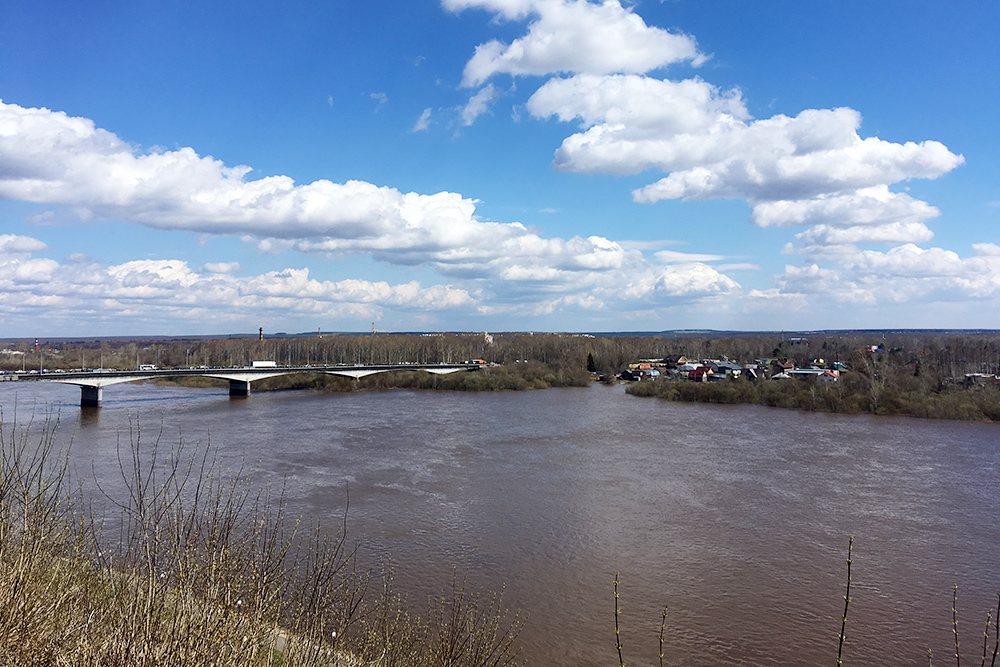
<point x="92" y="382"/>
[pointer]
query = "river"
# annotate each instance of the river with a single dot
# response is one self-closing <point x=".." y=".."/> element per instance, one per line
<point x="735" y="517"/>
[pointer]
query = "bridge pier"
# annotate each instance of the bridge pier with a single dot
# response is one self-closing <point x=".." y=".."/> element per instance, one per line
<point x="239" y="388"/>
<point x="90" y="397"/>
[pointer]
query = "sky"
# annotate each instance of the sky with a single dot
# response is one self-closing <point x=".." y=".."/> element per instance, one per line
<point x="210" y="167"/>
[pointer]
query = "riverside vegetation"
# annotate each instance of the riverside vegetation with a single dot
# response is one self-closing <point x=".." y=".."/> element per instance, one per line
<point x="855" y="393"/>
<point x="938" y="377"/>
<point x="188" y="566"/>
<point x="918" y="374"/>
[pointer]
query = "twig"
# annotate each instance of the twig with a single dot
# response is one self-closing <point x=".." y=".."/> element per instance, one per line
<point x="954" y="624"/>
<point x="662" y="624"/>
<point x="996" y="632"/>
<point x="986" y="636"/>
<point x="618" y="641"/>
<point x="847" y="602"/>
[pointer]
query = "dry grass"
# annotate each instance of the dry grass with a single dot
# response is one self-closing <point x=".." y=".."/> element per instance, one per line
<point x="200" y="569"/>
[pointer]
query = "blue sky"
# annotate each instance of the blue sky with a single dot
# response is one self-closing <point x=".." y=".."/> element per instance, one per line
<point x="559" y="165"/>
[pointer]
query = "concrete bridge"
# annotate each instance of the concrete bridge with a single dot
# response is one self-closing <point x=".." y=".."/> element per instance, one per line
<point x="92" y="382"/>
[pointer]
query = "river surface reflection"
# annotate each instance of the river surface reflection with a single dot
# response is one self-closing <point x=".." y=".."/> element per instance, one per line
<point x="736" y="517"/>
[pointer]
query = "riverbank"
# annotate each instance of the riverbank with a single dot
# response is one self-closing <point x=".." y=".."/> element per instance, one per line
<point x="852" y="395"/>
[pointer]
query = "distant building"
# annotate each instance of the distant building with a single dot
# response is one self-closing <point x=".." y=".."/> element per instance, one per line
<point x="674" y="360"/>
<point x="700" y="374"/>
<point x="726" y="368"/>
<point x="821" y="374"/>
<point x="781" y="366"/>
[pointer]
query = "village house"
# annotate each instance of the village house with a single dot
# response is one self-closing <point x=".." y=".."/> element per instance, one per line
<point x="779" y="366"/>
<point x="700" y="374"/>
<point x="672" y="361"/>
<point x="726" y="368"/>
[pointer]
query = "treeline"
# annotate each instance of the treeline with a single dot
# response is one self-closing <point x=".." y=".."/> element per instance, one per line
<point x="553" y="350"/>
<point x="934" y="357"/>
<point x="919" y="374"/>
<point x="328" y="349"/>
<point x="939" y="377"/>
<point x="524" y="361"/>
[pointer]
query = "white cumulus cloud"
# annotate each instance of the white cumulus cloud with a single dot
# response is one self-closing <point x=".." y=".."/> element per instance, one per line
<point x="889" y="233"/>
<point x="812" y="170"/>
<point x="712" y="152"/>
<point x="12" y="244"/>
<point x="865" y="206"/>
<point x="226" y="268"/>
<point x="575" y="36"/>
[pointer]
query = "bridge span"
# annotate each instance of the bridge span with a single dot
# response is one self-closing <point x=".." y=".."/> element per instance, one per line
<point x="92" y="382"/>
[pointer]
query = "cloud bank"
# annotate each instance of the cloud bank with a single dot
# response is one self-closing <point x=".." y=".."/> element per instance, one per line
<point x="168" y="293"/>
<point x="52" y="158"/>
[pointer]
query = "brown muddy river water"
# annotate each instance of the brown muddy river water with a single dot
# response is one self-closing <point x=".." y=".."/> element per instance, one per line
<point x="736" y="517"/>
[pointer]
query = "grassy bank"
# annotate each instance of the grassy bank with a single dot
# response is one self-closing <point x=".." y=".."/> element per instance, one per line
<point x="184" y="565"/>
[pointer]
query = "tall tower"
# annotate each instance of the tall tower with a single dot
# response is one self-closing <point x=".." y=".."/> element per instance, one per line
<point x="262" y="334"/>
